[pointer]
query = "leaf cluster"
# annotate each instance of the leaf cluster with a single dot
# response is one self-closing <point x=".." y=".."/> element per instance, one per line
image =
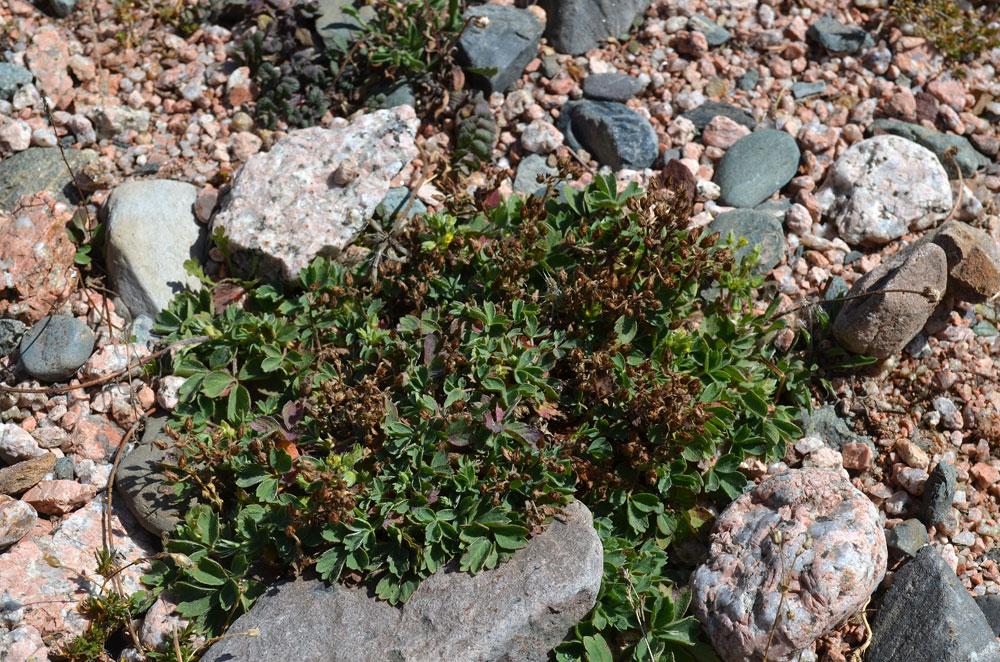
<point x="960" y="33"/>
<point x="586" y="346"/>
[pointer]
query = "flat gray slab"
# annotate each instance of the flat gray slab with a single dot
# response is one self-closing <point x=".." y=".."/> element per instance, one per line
<point x="516" y="612"/>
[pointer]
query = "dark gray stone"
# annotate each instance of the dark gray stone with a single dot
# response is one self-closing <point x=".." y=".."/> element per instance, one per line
<point x="756" y="166"/>
<point x="704" y="113"/>
<point x="141" y="329"/>
<point x="62" y="8"/>
<point x="927" y="615"/>
<point x="395" y="202"/>
<point x="144" y="488"/>
<point x="776" y="208"/>
<point x="907" y="537"/>
<point x="825" y="424"/>
<point x="611" y="87"/>
<point x="748" y="81"/>
<point x="12" y="77"/>
<point x="10" y="335"/>
<point x="990" y="606"/>
<point x="576" y="26"/>
<point x="516" y="612"/>
<point x="40" y="169"/>
<point x="836" y="37"/>
<point x="715" y="34"/>
<point x="526" y="179"/>
<point x="968" y="159"/>
<point x="507" y="44"/>
<point x="56" y="347"/>
<point x="550" y="66"/>
<point x="760" y="229"/>
<point x="835" y="289"/>
<point x="612" y="133"/>
<point x="337" y="28"/>
<point x="801" y="90"/>
<point x="63" y="469"/>
<point x="939" y="493"/>
<point x="401" y="94"/>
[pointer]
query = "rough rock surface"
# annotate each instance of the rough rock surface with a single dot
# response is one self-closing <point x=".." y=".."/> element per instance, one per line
<point x="37" y="258"/>
<point x="152" y="231"/>
<point x="507" y="41"/>
<point x="40" y="169"/>
<point x="612" y="133"/>
<point x="17" y="518"/>
<point x="973" y="261"/>
<point x="836" y="37"/>
<point x="928" y="616"/>
<point x="24" y="475"/>
<point x="709" y="110"/>
<point x="51" y="592"/>
<point x="58" y="497"/>
<point x="759" y="543"/>
<point x="755" y="167"/>
<point x="967" y="159"/>
<point x="990" y="606"/>
<point x="576" y="26"/>
<point x="883" y="187"/>
<point x="56" y="347"/>
<point x="880" y="325"/>
<point x="516" y="612"/>
<point x="907" y="537"/>
<point x="143" y="486"/>
<point x="285" y="206"/>
<point x="611" y="87"/>
<point x="939" y="492"/>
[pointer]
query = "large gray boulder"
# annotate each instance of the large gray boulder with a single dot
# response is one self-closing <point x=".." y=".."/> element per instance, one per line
<point x="516" y="612"/>
<point x="502" y="39"/>
<point x="576" y="26"/>
<point x="928" y="616"/>
<point x="881" y="324"/>
<point x="152" y="231"/>
<point x="41" y="169"/>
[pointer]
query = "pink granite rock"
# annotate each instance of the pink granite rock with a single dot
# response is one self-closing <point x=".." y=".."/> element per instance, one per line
<point x="58" y="497"/>
<point x="723" y="132"/>
<point x="24" y="644"/>
<point x="160" y="622"/>
<point x="807" y="529"/>
<point x="17" y="444"/>
<point x="94" y="438"/>
<point x="50" y="574"/>
<point x="37" y="258"/>
<point x="17" y="519"/>
<point x="883" y="187"/>
<point x="284" y="207"/>
<point x="48" y="58"/>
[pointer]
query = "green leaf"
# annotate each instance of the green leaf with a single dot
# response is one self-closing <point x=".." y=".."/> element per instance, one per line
<point x="209" y="572"/>
<point x="985" y="329"/>
<point x="626" y="328"/>
<point x="238" y="404"/>
<point x="192" y="600"/>
<point x="755" y="403"/>
<point x="597" y="649"/>
<point x="267" y="490"/>
<point x="474" y="558"/>
<point x="215" y="383"/>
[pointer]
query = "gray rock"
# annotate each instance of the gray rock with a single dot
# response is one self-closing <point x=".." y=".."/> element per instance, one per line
<point x="801" y="90"/>
<point x="776" y="208"/>
<point x="11" y="331"/>
<point x="143" y="487"/>
<point x="337" y="28"/>
<point x="990" y="606"/>
<point x="40" y="169"/>
<point x="516" y="612"/>
<point x="12" y="77"/>
<point x="880" y="325"/>
<point x="141" y="328"/>
<point x="704" y="114"/>
<point x="507" y="43"/>
<point x="968" y="159"/>
<point x="836" y="37"/>
<point x="907" y="537"/>
<point x="62" y="8"/>
<point x="401" y="94"/>
<point x="714" y="33"/>
<point x="939" y="493"/>
<point x="550" y="66"/>
<point x="611" y="87"/>
<point x="826" y="425"/>
<point x="748" y="81"/>
<point x="760" y="229"/>
<point x="576" y="26"/>
<point x="612" y="133"/>
<point x="152" y="231"/>
<point x="63" y="469"/>
<point x="756" y="166"/>
<point x="928" y="616"/>
<point x="56" y="347"/>
<point x="395" y="202"/>
<point x="526" y="179"/>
